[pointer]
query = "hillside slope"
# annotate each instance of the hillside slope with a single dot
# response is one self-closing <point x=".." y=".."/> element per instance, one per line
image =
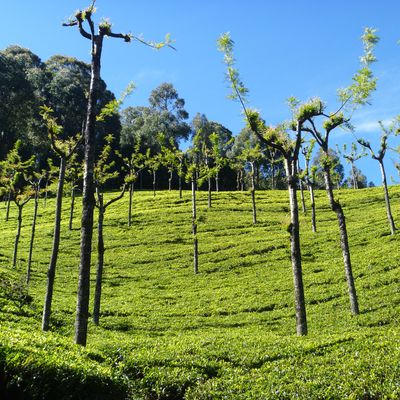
<point x="226" y="333"/>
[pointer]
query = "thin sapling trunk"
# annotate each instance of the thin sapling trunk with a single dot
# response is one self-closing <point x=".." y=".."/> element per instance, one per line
<point x="20" y="205"/>
<point x="313" y="218"/>
<point x="194" y="228"/>
<point x="209" y="193"/>
<point x="72" y="208"/>
<point x="8" y="206"/>
<point x="253" y="193"/>
<point x="35" y="209"/>
<point x="130" y="204"/>
<point x="51" y="272"/>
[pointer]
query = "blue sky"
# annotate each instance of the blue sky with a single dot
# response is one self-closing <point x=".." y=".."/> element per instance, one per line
<point x="283" y="48"/>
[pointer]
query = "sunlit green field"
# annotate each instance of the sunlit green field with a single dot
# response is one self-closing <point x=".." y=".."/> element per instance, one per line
<point x="226" y="333"/>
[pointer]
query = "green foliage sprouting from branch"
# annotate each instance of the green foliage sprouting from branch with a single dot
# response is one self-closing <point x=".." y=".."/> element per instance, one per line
<point x="364" y="83"/>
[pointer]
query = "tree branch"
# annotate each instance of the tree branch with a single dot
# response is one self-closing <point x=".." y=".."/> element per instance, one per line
<point x="127" y="38"/>
<point x="115" y="198"/>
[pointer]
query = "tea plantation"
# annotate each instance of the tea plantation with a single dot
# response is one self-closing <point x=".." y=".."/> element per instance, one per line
<point x="226" y="333"/>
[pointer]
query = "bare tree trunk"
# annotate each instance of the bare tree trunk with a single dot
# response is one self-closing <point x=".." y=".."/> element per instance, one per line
<point x="100" y="262"/>
<point x="154" y="182"/>
<point x="294" y="230"/>
<point x="130" y="204"/>
<point x="194" y="228"/>
<point x="238" y="180"/>
<point x="344" y="242"/>
<point x="209" y="192"/>
<point x="46" y="189"/>
<point x="71" y="211"/>
<point x="28" y="272"/>
<point x="387" y="199"/>
<point x="353" y="175"/>
<point x="170" y="181"/>
<point x="313" y="219"/>
<point x="51" y="272"/>
<point x="303" y="203"/>
<point x="180" y="186"/>
<point x="18" y="234"/>
<point x="273" y="184"/>
<point x="241" y="180"/>
<point x="88" y="201"/>
<point x="8" y="206"/>
<point x="217" y="182"/>
<point x="253" y="194"/>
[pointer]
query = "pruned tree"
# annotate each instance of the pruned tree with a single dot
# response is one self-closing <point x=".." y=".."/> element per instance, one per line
<point x="219" y="149"/>
<point x="379" y="156"/>
<point x="134" y="164"/>
<point x="153" y="163"/>
<point x="308" y="175"/>
<point x="350" y="98"/>
<point x="104" y="171"/>
<point x="73" y="175"/>
<point x="192" y="175"/>
<point x="35" y="179"/>
<point x="252" y="157"/>
<point x="172" y="159"/>
<point x="96" y="38"/>
<point x="64" y="149"/>
<point x="351" y="157"/>
<point x="203" y="158"/>
<point x="279" y="139"/>
<point x="13" y="182"/>
<point x="248" y="153"/>
<point x="238" y="165"/>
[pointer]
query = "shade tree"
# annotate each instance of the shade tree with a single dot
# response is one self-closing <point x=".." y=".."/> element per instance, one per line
<point x="73" y="177"/>
<point x="248" y="153"/>
<point x="153" y="162"/>
<point x="105" y="170"/>
<point x="278" y="138"/>
<point x="172" y="158"/>
<point x="83" y="20"/>
<point x="309" y="176"/>
<point x="14" y="169"/>
<point x="351" y="156"/>
<point x="35" y="179"/>
<point x="379" y="156"/>
<point x="64" y="149"/>
<point x="355" y="95"/>
<point x="134" y="163"/>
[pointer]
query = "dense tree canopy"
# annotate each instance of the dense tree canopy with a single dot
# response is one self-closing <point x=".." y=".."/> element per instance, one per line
<point x="60" y="82"/>
<point x="165" y="115"/>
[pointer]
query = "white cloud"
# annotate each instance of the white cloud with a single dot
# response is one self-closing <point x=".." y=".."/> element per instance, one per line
<point x="371" y="126"/>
